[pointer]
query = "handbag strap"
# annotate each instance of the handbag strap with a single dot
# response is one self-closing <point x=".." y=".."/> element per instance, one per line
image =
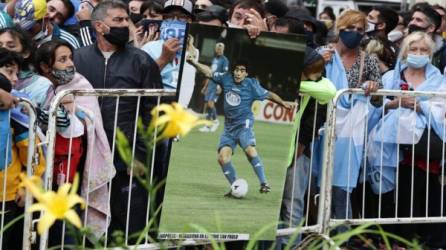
<point x="361" y="67"/>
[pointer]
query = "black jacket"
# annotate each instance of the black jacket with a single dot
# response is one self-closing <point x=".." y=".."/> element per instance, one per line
<point x="128" y="68"/>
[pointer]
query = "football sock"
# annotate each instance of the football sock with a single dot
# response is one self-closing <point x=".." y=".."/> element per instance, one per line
<point x="229" y="172"/>
<point x="213" y="115"/>
<point x="257" y="165"/>
<point x="209" y="114"/>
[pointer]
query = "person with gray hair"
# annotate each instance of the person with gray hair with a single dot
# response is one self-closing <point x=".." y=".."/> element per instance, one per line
<point x="119" y="65"/>
<point x="414" y="71"/>
<point x="211" y="91"/>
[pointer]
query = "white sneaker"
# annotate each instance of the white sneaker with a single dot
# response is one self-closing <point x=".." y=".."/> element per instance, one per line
<point x="215" y="125"/>
<point x="205" y="129"/>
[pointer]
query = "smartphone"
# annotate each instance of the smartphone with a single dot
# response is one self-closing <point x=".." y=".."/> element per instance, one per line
<point x="146" y="23"/>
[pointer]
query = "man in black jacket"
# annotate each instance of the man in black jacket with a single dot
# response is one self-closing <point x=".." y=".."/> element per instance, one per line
<point x="112" y="63"/>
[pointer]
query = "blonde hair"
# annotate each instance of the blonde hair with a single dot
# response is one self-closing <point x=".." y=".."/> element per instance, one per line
<point x="350" y="17"/>
<point x="220" y="45"/>
<point x="416" y="37"/>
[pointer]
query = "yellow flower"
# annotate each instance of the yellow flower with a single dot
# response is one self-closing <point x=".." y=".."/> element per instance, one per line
<point x="175" y="120"/>
<point x="54" y="205"/>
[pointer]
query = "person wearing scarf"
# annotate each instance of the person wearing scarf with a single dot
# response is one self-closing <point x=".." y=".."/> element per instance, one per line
<point x="86" y="122"/>
<point x="348" y="67"/>
<point x="408" y="121"/>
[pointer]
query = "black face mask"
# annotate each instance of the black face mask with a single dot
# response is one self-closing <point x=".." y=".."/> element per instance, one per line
<point x="118" y="36"/>
<point x="413" y="28"/>
<point x="135" y="17"/>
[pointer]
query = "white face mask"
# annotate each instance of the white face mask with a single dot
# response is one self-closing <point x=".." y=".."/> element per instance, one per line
<point x="370" y="27"/>
<point x="395" y="35"/>
<point x="42" y="33"/>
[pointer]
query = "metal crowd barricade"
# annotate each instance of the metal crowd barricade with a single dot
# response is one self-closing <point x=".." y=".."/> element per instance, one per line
<point x="28" y="109"/>
<point x="323" y="204"/>
<point x="307" y="198"/>
<point x="376" y="214"/>
<point x="118" y="94"/>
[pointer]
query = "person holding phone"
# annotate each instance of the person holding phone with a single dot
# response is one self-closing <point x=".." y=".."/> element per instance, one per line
<point x="167" y="50"/>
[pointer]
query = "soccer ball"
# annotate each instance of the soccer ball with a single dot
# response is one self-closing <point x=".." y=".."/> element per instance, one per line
<point x="239" y="188"/>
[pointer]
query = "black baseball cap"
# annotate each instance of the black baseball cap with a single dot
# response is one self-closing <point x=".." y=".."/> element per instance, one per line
<point x="184" y="5"/>
<point x="213" y="12"/>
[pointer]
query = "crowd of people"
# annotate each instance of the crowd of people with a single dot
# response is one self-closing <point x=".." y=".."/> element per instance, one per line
<point x="50" y="46"/>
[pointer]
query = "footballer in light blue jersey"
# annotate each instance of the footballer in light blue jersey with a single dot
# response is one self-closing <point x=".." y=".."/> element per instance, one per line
<point x="220" y="64"/>
<point x="239" y="93"/>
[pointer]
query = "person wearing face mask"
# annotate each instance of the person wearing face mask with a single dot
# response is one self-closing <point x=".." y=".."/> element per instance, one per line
<point x="441" y="33"/>
<point x="396" y="35"/>
<point x="135" y="11"/>
<point x="425" y="18"/>
<point x="381" y="20"/>
<point x="119" y="65"/>
<point x="168" y="49"/>
<point x="329" y="20"/>
<point x="43" y="20"/>
<point x="312" y="26"/>
<point x="54" y="60"/>
<point x="413" y="71"/>
<point x="348" y="67"/>
<point x="148" y="28"/>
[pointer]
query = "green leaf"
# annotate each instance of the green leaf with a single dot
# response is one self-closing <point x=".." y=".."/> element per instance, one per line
<point x="123" y="147"/>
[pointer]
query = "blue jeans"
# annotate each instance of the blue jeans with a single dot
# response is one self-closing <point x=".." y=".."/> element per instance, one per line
<point x="293" y="202"/>
<point x="339" y="208"/>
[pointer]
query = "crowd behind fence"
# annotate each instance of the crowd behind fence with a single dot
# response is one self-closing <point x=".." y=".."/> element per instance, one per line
<point x="374" y="191"/>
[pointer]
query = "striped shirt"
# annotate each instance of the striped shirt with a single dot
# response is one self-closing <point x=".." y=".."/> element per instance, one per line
<point x="5" y="20"/>
<point x="62" y="34"/>
<point x="59" y="33"/>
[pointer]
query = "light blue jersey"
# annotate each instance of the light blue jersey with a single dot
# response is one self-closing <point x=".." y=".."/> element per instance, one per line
<point x="239" y="121"/>
<point x="239" y="98"/>
<point x="220" y="64"/>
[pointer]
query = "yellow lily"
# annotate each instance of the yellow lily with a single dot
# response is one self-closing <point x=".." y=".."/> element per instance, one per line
<point x="56" y="206"/>
<point x="175" y="120"/>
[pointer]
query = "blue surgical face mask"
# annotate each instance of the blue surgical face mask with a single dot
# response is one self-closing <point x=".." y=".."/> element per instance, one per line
<point x="417" y="61"/>
<point x="351" y="39"/>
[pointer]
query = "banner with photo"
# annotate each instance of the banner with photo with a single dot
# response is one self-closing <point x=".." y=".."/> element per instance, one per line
<point x="226" y="180"/>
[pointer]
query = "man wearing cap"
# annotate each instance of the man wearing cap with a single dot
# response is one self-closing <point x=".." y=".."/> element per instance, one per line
<point x="167" y="50"/>
<point x="310" y="25"/>
<point x="108" y="64"/>
<point x="214" y="15"/>
<point x="274" y="9"/>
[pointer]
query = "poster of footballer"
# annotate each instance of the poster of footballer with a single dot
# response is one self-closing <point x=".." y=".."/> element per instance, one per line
<point x="228" y="177"/>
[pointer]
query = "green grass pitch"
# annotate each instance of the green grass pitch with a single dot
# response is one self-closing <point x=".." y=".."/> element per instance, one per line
<point x="196" y="184"/>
